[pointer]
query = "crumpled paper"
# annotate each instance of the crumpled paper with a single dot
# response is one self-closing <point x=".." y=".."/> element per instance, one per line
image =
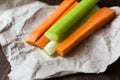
<point x="8" y="4"/>
<point x="93" y="55"/>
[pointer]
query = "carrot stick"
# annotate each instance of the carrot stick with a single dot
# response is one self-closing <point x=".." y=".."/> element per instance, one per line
<point x="69" y="9"/>
<point x="48" y="22"/>
<point x="96" y="21"/>
<point x="42" y="41"/>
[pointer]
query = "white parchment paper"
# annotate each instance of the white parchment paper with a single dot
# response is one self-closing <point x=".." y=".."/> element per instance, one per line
<point x="93" y="55"/>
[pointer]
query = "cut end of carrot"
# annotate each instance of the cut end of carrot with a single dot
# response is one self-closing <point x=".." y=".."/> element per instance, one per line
<point x="41" y="42"/>
<point x="60" y="51"/>
<point x="31" y="43"/>
<point x="30" y="40"/>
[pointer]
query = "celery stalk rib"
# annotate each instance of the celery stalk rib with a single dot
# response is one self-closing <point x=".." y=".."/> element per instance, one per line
<point x="64" y="24"/>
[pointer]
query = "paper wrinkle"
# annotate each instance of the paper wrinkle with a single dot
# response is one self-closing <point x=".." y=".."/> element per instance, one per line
<point x="93" y="55"/>
<point x="29" y="69"/>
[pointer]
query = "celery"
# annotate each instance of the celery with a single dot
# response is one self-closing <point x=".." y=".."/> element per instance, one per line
<point x="59" y="29"/>
<point x="50" y="48"/>
<point x="79" y="23"/>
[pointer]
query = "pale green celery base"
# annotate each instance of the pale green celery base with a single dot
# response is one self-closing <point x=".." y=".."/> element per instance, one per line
<point x="50" y="48"/>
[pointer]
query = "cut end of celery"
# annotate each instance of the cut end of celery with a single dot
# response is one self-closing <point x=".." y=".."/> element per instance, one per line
<point x="50" y="48"/>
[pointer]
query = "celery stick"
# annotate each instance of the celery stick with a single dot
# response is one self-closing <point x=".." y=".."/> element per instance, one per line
<point x="79" y="23"/>
<point x="50" y="48"/>
<point x="60" y="28"/>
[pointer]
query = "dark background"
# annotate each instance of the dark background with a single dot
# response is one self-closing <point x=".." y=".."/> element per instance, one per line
<point x="112" y="73"/>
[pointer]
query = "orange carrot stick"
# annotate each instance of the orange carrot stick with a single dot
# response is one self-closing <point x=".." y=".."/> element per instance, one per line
<point x="42" y="41"/>
<point x="96" y="21"/>
<point x="69" y="9"/>
<point x="48" y="22"/>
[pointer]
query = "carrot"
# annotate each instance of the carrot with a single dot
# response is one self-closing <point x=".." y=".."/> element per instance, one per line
<point x="69" y="9"/>
<point x="48" y="22"/>
<point x="42" y="41"/>
<point x="96" y="21"/>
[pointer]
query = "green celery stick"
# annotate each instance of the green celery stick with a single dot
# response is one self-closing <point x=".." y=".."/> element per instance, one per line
<point x="60" y="28"/>
<point x="80" y="22"/>
<point x="50" y="48"/>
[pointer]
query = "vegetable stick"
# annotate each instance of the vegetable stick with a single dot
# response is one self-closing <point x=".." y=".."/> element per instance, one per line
<point x="64" y="24"/>
<point x="42" y="41"/>
<point x="79" y="23"/>
<point x="69" y="9"/>
<point x="99" y="19"/>
<point x="50" y="48"/>
<point x="48" y="22"/>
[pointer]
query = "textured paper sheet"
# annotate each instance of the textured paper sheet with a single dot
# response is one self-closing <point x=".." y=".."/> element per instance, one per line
<point x="8" y="4"/>
<point x="93" y="55"/>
